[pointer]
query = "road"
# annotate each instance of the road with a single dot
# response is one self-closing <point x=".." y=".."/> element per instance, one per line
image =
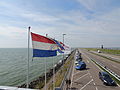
<point x="88" y="79"/>
<point x="114" y="66"/>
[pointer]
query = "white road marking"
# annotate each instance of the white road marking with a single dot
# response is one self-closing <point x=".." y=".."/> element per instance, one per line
<point x="87" y="61"/>
<point x="94" y="84"/>
<point x="114" y="66"/>
<point x="76" y="73"/>
<point x="81" y="77"/>
<point x="118" y="85"/>
<point x="90" y="76"/>
<point x="86" y="84"/>
<point x="96" y="88"/>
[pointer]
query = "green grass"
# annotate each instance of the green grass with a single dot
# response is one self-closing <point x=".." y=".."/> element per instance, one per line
<point x="118" y="82"/>
<point x="109" y="51"/>
<point x="61" y="73"/>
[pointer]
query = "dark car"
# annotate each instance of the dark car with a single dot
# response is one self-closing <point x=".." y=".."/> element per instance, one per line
<point x="80" y="66"/>
<point x="57" y="88"/>
<point x="107" y="80"/>
<point x="78" y="58"/>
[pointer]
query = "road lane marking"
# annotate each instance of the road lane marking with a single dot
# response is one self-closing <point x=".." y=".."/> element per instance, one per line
<point x="118" y="85"/>
<point x="114" y="66"/>
<point x="90" y="76"/>
<point x="81" y="77"/>
<point x="86" y="84"/>
<point x="76" y="73"/>
<point x="87" y="61"/>
<point x="94" y="84"/>
<point x="96" y="88"/>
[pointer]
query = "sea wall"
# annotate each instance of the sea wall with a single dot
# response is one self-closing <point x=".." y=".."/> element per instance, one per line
<point x="49" y="74"/>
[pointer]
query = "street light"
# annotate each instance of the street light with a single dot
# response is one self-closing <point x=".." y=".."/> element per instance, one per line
<point x="63" y="43"/>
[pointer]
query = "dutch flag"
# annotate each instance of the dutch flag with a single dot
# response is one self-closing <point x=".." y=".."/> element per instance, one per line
<point x="43" y="46"/>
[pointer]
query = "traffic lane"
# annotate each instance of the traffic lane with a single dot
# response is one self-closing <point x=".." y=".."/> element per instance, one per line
<point x="81" y="79"/>
<point x="108" y="55"/>
<point x="115" y="67"/>
<point x="94" y="70"/>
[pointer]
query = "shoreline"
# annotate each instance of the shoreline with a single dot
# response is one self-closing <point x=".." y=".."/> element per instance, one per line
<point x="40" y="80"/>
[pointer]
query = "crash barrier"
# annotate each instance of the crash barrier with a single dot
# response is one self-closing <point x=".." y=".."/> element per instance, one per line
<point x="107" y="69"/>
<point x="65" y="77"/>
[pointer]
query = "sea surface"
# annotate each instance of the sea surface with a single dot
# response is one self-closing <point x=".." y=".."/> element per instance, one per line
<point x="13" y="66"/>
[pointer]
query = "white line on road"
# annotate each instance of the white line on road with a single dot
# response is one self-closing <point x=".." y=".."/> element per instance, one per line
<point x="90" y="76"/>
<point x="96" y="88"/>
<point x="114" y="66"/>
<point x="82" y="76"/>
<point x="87" y="61"/>
<point x="118" y="85"/>
<point x="86" y="84"/>
<point x="76" y="73"/>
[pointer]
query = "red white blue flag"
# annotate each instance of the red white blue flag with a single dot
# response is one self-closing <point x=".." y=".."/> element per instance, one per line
<point x="43" y="46"/>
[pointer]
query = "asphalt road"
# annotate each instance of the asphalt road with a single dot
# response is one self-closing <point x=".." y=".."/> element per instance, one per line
<point x="114" y="66"/>
<point x="88" y="79"/>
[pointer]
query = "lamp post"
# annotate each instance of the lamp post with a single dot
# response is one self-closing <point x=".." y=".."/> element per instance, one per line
<point x="63" y="43"/>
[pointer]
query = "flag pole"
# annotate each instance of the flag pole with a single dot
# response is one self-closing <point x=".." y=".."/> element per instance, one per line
<point x="28" y="57"/>
<point x="53" y="75"/>
<point x="45" y="71"/>
<point x="45" y="75"/>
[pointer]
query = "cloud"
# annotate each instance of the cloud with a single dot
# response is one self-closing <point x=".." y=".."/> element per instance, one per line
<point x="89" y="4"/>
<point x="40" y="17"/>
<point x="80" y="29"/>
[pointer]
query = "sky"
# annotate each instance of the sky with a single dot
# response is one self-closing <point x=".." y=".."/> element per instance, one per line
<point x="86" y="23"/>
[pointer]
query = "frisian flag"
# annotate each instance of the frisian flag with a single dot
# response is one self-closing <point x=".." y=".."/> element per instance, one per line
<point x="43" y="46"/>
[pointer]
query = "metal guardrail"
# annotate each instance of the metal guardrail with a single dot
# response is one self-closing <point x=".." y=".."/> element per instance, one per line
<point x="65" y="77"/>
<point x="108" y="70"/>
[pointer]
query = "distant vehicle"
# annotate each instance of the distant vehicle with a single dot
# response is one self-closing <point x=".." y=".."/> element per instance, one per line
<point x="80" y="66"/>
<point x="77" y="62"/>
<point x="107" y="80"/>
<point x="58" y="88"/>
<point x="99" y="51"/>
<point x="78" y="58"/>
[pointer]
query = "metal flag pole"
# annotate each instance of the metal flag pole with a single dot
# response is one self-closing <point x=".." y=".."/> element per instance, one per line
<point x="63" y="43"/>
<point x="53" y="74"/>
<point x="28" y="57"/>
<point x="45" y="71"/>
<point x="45" y="75"/>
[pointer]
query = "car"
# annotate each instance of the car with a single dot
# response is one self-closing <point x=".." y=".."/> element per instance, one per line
<point x="58" y="88"/>
<point x="107" y="80"/>
<point x="80" y="66"/>
<point x="99" y="51"/>
<point x="77" y="58"/>
<point x="77" y="62"/>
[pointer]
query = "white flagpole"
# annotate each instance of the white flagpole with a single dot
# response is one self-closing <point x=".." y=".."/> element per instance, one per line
<point x="45" y="71"/>
<point x="28" y="57"/>
<point x="53" y="75"/>
<point x="45" y="75"/>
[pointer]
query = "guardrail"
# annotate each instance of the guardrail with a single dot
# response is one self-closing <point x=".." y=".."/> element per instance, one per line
<point x="107" y="69"/>
<point x="65" y="77"/>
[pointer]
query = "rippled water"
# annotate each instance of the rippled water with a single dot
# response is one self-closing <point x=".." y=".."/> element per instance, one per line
<point x="13" y="66"/>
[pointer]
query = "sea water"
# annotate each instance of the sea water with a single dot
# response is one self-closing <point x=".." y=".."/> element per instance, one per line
<point x="13" y="66"/>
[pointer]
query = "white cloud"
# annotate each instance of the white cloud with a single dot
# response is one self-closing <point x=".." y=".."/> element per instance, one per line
<point x="89" y="4"/>
<point x="80" y="30"/>
<point x="40" y="17"/>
